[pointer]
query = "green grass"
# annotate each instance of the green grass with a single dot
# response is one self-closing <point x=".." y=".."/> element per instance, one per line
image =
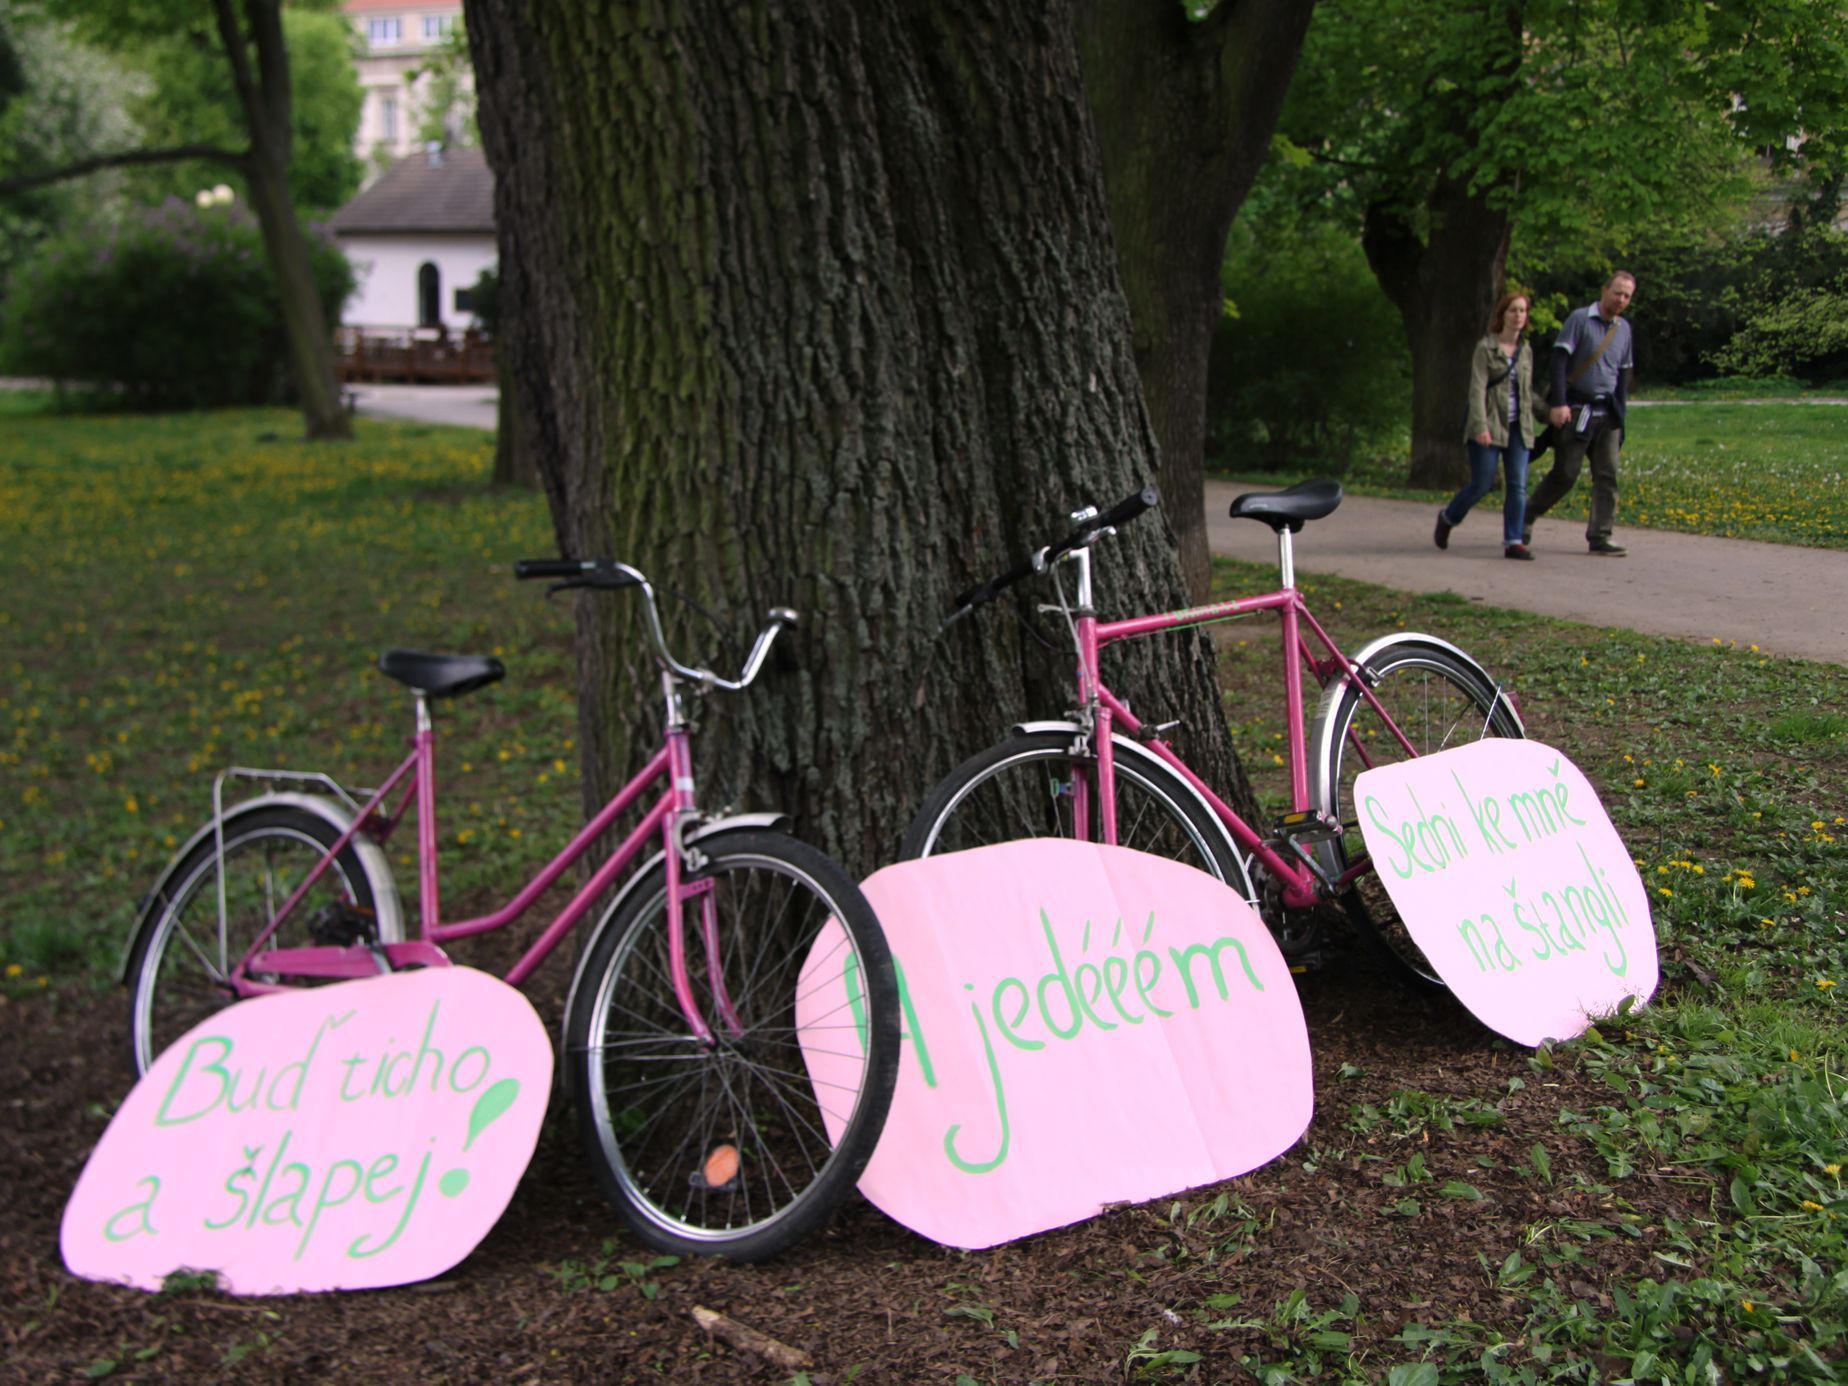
<point x="1726" y="772"/>
<point x="187" y="592"/>
<point x="1776" y="472"/>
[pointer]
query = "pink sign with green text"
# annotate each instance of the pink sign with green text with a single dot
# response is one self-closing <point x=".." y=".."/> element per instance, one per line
<point x="1083" y="1025"/>
<point x="342" y="1137"/>
<point x="1509" y="875"/>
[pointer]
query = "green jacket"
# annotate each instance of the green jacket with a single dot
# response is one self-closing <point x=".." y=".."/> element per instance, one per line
<point x="1488" y="396"/>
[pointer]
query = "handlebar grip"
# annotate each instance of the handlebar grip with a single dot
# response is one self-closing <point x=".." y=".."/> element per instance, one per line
<point x="1128" y="508"/>
<point x="548" y="568"/>
<point x="994" y="586"/>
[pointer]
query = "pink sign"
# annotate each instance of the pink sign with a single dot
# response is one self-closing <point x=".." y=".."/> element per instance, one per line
<point x="1084" y="1025"/>
<point x="1508" y="873"/>
<point x="335" y="1138"/>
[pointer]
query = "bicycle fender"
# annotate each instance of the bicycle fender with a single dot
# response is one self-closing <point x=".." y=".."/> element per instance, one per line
<point x="1321" y="749"/>
<point x="767" y="821"/>
<point x="372" y="861"/>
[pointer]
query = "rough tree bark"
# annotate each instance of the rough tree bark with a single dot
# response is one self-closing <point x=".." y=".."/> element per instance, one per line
<point x="819" y="306"/>
<point x="1444" y="285"/>
<point x="1185" y="113"/>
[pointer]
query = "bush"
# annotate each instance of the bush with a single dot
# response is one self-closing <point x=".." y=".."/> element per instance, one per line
<point x="175" y="308"/>
<point x="1309" y="367"/>
<point x="1695" y="297"/>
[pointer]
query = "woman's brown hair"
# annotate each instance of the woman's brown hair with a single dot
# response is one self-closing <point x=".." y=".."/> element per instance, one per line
<point x="1501" y="309"/>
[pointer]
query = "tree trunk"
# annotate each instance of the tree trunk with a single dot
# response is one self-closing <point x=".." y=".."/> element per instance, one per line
<point x="514" y="463"/>
<point x="819" y="307"/>
<point x="1444" y="287"/>
<point x="265" y="98"/>
<point x="1184" y="115"/>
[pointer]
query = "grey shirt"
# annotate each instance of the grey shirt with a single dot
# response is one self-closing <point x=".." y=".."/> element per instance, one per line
<point x="1580" y="339"/>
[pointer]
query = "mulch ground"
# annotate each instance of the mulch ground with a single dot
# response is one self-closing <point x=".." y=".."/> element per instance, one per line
<point x="1069" y="1305"/>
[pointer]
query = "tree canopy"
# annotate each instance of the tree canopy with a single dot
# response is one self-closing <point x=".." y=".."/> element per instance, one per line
<point x="1443" y="128"/>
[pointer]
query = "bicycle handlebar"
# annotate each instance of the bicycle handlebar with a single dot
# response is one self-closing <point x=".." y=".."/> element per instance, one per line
<point x="1086" y="532"/>
<point x="604" y="574"/>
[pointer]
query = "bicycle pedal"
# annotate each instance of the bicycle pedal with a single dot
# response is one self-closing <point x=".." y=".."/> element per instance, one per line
<point x="1307" y="826"/>
<point x="340" y="925"/>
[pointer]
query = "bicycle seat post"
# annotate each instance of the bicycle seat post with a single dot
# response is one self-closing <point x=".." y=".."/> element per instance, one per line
<point x="1286" y="556"/>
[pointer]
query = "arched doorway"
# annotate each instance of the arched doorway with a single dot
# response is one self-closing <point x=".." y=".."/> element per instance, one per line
<point x="429" y="295"/>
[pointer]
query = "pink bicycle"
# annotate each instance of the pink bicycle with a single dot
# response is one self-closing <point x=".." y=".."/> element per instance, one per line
<point x="1099" y="773"/>
<point x="681" y="1044"/>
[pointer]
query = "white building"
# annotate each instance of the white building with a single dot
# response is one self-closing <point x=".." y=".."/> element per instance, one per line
<point x="397" y="38"/>
<point x="418" y="239"/>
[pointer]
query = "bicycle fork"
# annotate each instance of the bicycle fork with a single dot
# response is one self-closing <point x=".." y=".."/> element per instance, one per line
<point x="686" y="887"/>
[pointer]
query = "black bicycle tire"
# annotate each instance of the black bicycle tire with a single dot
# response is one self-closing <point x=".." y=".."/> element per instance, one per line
<point x="1384" y="935"/>
<point x="620" y="934"/>
<point x="1224" y="860"/>
<point x="196" y="871"/>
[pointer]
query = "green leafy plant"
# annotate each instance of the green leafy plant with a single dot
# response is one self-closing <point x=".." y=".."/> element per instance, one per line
<point x="175" y="307"/>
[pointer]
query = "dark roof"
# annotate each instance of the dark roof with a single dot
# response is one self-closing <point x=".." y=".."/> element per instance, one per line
<point x="454" y="191"/>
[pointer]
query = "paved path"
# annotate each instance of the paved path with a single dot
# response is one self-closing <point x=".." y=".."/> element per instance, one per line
<point x="473" y="406"/>
<point x="1786" y="600"/>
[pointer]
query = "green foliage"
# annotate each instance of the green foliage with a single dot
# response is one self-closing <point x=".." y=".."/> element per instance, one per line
<point x="191" y="101"/>
<point x="1309" y="367"/>
<point x="1698" y="293"/>
<point x="485" y="295"/>
<point x="175" y="307"/>
<point x="446" y="104"/>
<point x="1804" y="334"/>
<point x="67" y="102"/>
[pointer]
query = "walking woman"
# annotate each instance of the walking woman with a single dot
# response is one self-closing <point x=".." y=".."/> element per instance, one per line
<point x="1495" y="426"/>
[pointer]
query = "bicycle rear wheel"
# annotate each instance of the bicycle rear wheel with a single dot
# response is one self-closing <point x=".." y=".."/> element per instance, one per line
<point x="731" y="1146"/>
<point x="1023" y="788"/>
<point x="179" y="964"/>
<point x="1439" y="698"/>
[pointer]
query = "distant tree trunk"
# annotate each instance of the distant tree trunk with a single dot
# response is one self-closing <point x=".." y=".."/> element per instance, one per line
<point x="1185" y="113"/>
<point x="1444" y="286"/>
<point x="819" y="306"/>
<point x="265" y="98"/>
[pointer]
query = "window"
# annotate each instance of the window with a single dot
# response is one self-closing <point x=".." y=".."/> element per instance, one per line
<point x="429" y="295"/>
<point x="384" y="32"/>
<point x="435" y="26"/>
<point x="465" y="300"/>
<point x="388" y="118"/>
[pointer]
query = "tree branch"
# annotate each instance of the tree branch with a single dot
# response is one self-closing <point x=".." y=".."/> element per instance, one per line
<point x="237" y="159"/>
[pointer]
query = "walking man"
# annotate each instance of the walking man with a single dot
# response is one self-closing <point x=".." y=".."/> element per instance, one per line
<point x="1590" y="364"/>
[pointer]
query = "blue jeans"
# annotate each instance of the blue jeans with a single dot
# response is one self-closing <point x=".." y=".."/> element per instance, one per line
<point x="1482" y="460"/>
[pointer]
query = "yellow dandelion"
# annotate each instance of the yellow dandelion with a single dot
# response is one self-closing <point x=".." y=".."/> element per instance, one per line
<point x="1824" y="983"/>
<point x="1832" y="1170"/>
<point x="1640" y="782"/>
<point x="1812" y="1206"/>
<point x="14" y="969"/>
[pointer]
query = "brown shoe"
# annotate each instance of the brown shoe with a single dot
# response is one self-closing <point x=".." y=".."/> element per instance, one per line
<point x="1442" y="537"/>
<point x="1518" y="551"/>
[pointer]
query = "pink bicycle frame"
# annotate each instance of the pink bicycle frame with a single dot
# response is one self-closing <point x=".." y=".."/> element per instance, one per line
<point x="417" y="777"/>
<point x="1301" y="886"/>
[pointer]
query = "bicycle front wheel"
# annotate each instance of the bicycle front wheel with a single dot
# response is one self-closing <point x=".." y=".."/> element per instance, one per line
<point x="181" y="961"/>
<point x="1025" y="788"/>
<point x="741" y="1144"/>
<point x="1439" y="698"/>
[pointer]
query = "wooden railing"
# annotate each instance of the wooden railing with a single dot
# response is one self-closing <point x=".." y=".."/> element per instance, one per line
<point x="430" y="356"/>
